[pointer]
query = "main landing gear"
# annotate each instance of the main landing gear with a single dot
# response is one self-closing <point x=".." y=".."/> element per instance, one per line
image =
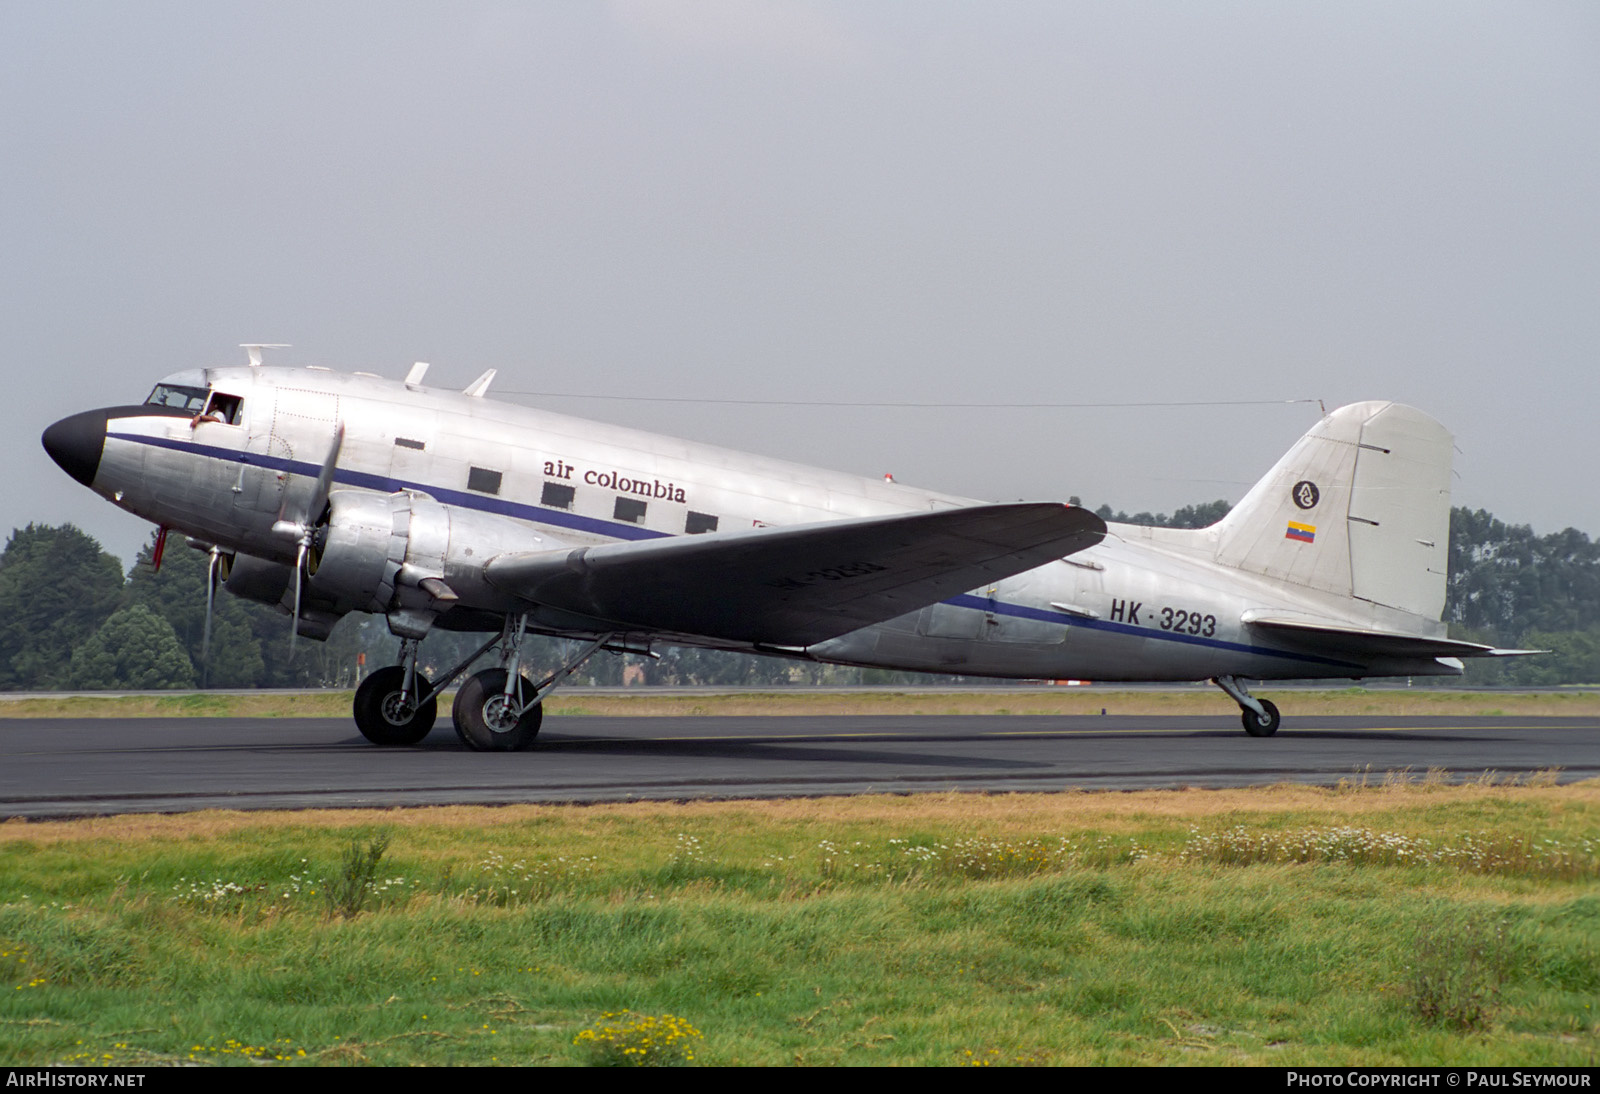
<point x="1260" y="716"/>
<point x="492" y="716"/>
<point x="496" y="710"/>
<point x="386" y="709"/>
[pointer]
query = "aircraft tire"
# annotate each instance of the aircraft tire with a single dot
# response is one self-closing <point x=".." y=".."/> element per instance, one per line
<point x="1257" y="726"/>
<point x="379" y="716"/>
<point x="480" y="714"/>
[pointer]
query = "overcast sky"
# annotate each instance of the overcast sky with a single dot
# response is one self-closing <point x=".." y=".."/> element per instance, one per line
<point x="792" y="200"/>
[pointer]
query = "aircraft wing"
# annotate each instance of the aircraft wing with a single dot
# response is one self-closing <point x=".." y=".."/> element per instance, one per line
<point x="796" y="585"/>
<point x="1351" y="638"/>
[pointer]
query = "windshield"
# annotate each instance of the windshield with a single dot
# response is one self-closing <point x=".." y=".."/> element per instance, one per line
<point x="178" y="395"/>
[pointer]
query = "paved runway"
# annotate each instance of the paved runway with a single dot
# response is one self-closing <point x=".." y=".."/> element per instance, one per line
<point x="75" y="767"/>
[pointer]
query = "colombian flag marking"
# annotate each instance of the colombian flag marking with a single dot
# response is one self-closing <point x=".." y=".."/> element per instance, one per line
<point x="1305" y="533"/>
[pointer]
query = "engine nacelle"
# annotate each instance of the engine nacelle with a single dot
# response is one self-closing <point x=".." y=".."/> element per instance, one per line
<point x="256" y="579"/>
<point x="405" y="553"/>
<point x="273" y="583"/>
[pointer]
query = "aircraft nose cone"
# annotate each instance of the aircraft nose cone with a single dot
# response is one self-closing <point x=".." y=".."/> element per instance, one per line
<point x="76" y="443"/>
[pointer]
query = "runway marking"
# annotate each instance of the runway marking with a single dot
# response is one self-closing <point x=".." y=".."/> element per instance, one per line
<point x="1291" y="731"/>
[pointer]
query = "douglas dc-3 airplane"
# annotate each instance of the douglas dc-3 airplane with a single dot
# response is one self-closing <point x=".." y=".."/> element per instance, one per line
<point x="326" y="493"/>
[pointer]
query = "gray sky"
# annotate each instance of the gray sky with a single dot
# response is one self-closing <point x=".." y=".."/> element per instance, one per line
<point x="785" y="199"/>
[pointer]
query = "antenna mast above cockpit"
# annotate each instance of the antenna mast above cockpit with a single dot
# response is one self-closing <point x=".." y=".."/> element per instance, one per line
<point x="255" y="348"/>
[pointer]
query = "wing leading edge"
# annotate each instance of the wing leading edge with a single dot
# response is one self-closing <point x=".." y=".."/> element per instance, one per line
<point x="802" y="584"/>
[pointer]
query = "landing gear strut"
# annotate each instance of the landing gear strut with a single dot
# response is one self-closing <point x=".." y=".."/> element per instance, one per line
<point x="1260" y="716"/>
<point x="497" y="710"/>
<point x="500" y="710"/>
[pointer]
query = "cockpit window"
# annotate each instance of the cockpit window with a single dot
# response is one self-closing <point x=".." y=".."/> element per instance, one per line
<point x="177" y="395"/>
<point x="224" y="408"/>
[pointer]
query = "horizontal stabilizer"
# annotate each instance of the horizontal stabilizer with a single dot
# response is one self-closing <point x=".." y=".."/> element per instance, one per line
<point x="1350" y="638"/>
<point x="797" y="585"/>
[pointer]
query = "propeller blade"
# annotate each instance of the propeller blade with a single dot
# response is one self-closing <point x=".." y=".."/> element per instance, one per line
<point x="301" y="523"/>
<point x="324" y="483"/>
<point x="211" y="602"/>
<point x="299" y="574"/>
<point x="293" y="518"/>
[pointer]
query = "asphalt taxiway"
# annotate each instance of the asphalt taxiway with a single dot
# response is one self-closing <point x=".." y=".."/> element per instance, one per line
<point x="64" y="767"/>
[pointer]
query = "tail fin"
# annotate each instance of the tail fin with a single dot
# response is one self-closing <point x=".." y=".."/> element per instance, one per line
<point x="1360" y="506"/>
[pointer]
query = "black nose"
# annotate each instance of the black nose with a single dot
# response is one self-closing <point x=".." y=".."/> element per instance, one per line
<point x="76" y="443"/>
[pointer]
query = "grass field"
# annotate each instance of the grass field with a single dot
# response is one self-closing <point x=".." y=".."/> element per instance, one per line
<point x="1404" y="923"/>
<point x="799" y="702"/>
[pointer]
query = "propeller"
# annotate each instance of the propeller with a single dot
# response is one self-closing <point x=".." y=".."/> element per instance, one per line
<point x="213" y="556"/>
<point x="299" y="523"/>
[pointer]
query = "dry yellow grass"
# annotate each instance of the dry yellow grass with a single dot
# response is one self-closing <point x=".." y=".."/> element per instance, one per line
<point x="1000" y="814"/>
<point x="324" y="704"/>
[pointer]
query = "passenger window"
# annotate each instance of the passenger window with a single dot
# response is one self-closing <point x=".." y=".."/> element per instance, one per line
<point x="483" y="480"/>
<point x="557" y="495"/>
<point x="699" y="523"/>
<point x="630" y="510"/>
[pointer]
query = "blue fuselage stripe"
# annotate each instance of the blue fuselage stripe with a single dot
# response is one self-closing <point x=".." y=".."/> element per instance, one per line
<point x="487" y="503"/>
<point x="1022" y="611"/>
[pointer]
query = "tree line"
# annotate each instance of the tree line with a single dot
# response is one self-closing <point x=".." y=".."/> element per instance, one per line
<point x="71" y="619"/>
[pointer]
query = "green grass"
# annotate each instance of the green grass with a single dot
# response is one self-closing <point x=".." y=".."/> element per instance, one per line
<point x="1280" y="926"/>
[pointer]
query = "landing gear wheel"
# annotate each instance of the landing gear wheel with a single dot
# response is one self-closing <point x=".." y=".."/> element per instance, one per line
<point x="383" y="719"/>
<point x="485" y="721"/>
<point x="1258" y="726"/>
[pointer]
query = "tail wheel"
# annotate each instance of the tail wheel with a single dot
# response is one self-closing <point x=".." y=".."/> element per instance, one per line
<point x="383" y="718"/>
<point x="1264" y="724"/>
<point x="487" y="722"/>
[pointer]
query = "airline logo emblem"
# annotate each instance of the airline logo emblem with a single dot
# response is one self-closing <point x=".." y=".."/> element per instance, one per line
<point x="1305" y="533"/>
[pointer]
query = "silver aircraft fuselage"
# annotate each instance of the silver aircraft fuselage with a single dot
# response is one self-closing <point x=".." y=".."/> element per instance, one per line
<point x="1143" y="604"/>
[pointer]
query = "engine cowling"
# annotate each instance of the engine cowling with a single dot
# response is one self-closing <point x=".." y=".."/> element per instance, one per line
<point x="359" y="550"/>
<point x="407" y="553"/>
